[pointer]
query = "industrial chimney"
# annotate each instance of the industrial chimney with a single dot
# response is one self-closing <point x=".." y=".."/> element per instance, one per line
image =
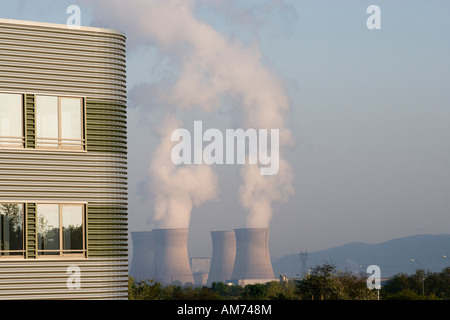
<point x="223" y="255"/>
<point x="170" y="258"/>
<point x="142" y="259"/>
<point x="252" y="263"/>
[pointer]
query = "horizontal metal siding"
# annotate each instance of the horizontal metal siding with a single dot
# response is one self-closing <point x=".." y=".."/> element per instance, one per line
<point x="106" y="126"/>
<point x="47" y="279"/>
<point x="62" y="60"/>
<point x="37" y="176"/>
<point x="108" y="230"/>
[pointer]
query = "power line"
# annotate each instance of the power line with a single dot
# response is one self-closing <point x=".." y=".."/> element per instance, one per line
<point x="303" y="259"/>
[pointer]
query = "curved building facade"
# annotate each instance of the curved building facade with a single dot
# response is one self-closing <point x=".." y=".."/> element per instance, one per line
<point x="63" y="162"/>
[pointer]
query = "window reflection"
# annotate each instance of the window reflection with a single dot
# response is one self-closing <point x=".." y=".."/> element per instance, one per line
<point x="11" y="229"/>
<point x="11" y="127"/>
<point x="72" y="221"/>
<point x="60" y="229"/>
<point x="47" y="120"/>
<point x="71" y="125"/>
<point x="48" y="228"/>
<point x="59" y="122"/>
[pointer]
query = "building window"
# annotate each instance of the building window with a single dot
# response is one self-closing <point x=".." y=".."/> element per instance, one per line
<point x="11" y="120"/>
<point x="61" y="229"/>
<point x="11" y="229"/>
<point x="59" y="122"/>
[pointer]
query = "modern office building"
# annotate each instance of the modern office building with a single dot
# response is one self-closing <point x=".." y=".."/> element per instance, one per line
<point x="63" y="162"/>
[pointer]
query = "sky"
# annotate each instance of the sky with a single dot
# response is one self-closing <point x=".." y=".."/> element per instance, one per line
<point x="364" y="114"/>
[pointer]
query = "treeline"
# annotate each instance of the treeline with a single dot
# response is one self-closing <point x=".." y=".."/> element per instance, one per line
<point x="419" y="286"/>
<point x="152" y="290"/>
<point x="324" y="282"/>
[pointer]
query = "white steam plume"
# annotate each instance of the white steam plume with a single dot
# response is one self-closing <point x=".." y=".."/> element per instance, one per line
<point x="177" y="189"/>
<point x="211" y="66"/>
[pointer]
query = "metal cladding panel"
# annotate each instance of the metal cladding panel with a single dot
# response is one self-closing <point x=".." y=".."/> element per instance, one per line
<point x="223" y="255"/>
<point x="33" y="176"/>
<point x="37" y="176"/>
<point x="170" y="260"/>
<point x="45" y="58"/>
<point x="39" y="59"/>
<point x="142" y="259"/>
<point x="51" y="279"/>
<point x="252" y="254"/>
<point x="106" y="127"/>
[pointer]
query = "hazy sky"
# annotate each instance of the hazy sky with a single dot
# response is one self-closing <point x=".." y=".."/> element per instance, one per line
<point x="368" y="110"/>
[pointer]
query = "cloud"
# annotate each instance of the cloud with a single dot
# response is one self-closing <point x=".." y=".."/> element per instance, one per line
<point x="210" y="67"/>
<point x="177" y="189"/>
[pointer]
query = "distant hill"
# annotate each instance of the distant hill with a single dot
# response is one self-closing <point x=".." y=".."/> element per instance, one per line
<point x="392" y="256"/>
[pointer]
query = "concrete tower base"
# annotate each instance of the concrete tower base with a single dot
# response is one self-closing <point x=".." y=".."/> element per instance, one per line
<point x="223" y="255"/>
<point x="252" y="256"/>
<point x="170" y="259"/>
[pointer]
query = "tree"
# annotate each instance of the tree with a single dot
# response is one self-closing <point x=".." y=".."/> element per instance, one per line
<point x="219" y="287"/>
<point x="144" y="290"/>
<point x="319" y="284"/>
<point x="12" y="220"/>
<point x="256" y="291"/>
<point x="397" y="283"/>
<point x="327" y="283"/>
<point x="230" y="292"/>
<point x="409" y="287"/>
<point x="205" y="293"/>
<point x="439" y="284"/>
<point x="284" y="290"/>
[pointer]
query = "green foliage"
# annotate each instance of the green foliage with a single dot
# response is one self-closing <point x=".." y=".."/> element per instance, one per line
<point x="226" y="291"/>
<point x="254" y="292"/>
<point x="153" y="290"/>
<point x="11" y="221"/>
<point x="408" y="294"/>
<point x="281" y="290"/>
<point x="324" y="282"/>
<point x="144" y="290"/>
<point x="436" y="285"/>
<point x="219" y="287"/>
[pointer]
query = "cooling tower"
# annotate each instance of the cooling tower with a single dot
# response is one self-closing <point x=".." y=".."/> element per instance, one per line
<point x="223" y="255"/>
<point x="252" y="255"/>
<point x="170" y="256"/>
<point x="142" y="259"/>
